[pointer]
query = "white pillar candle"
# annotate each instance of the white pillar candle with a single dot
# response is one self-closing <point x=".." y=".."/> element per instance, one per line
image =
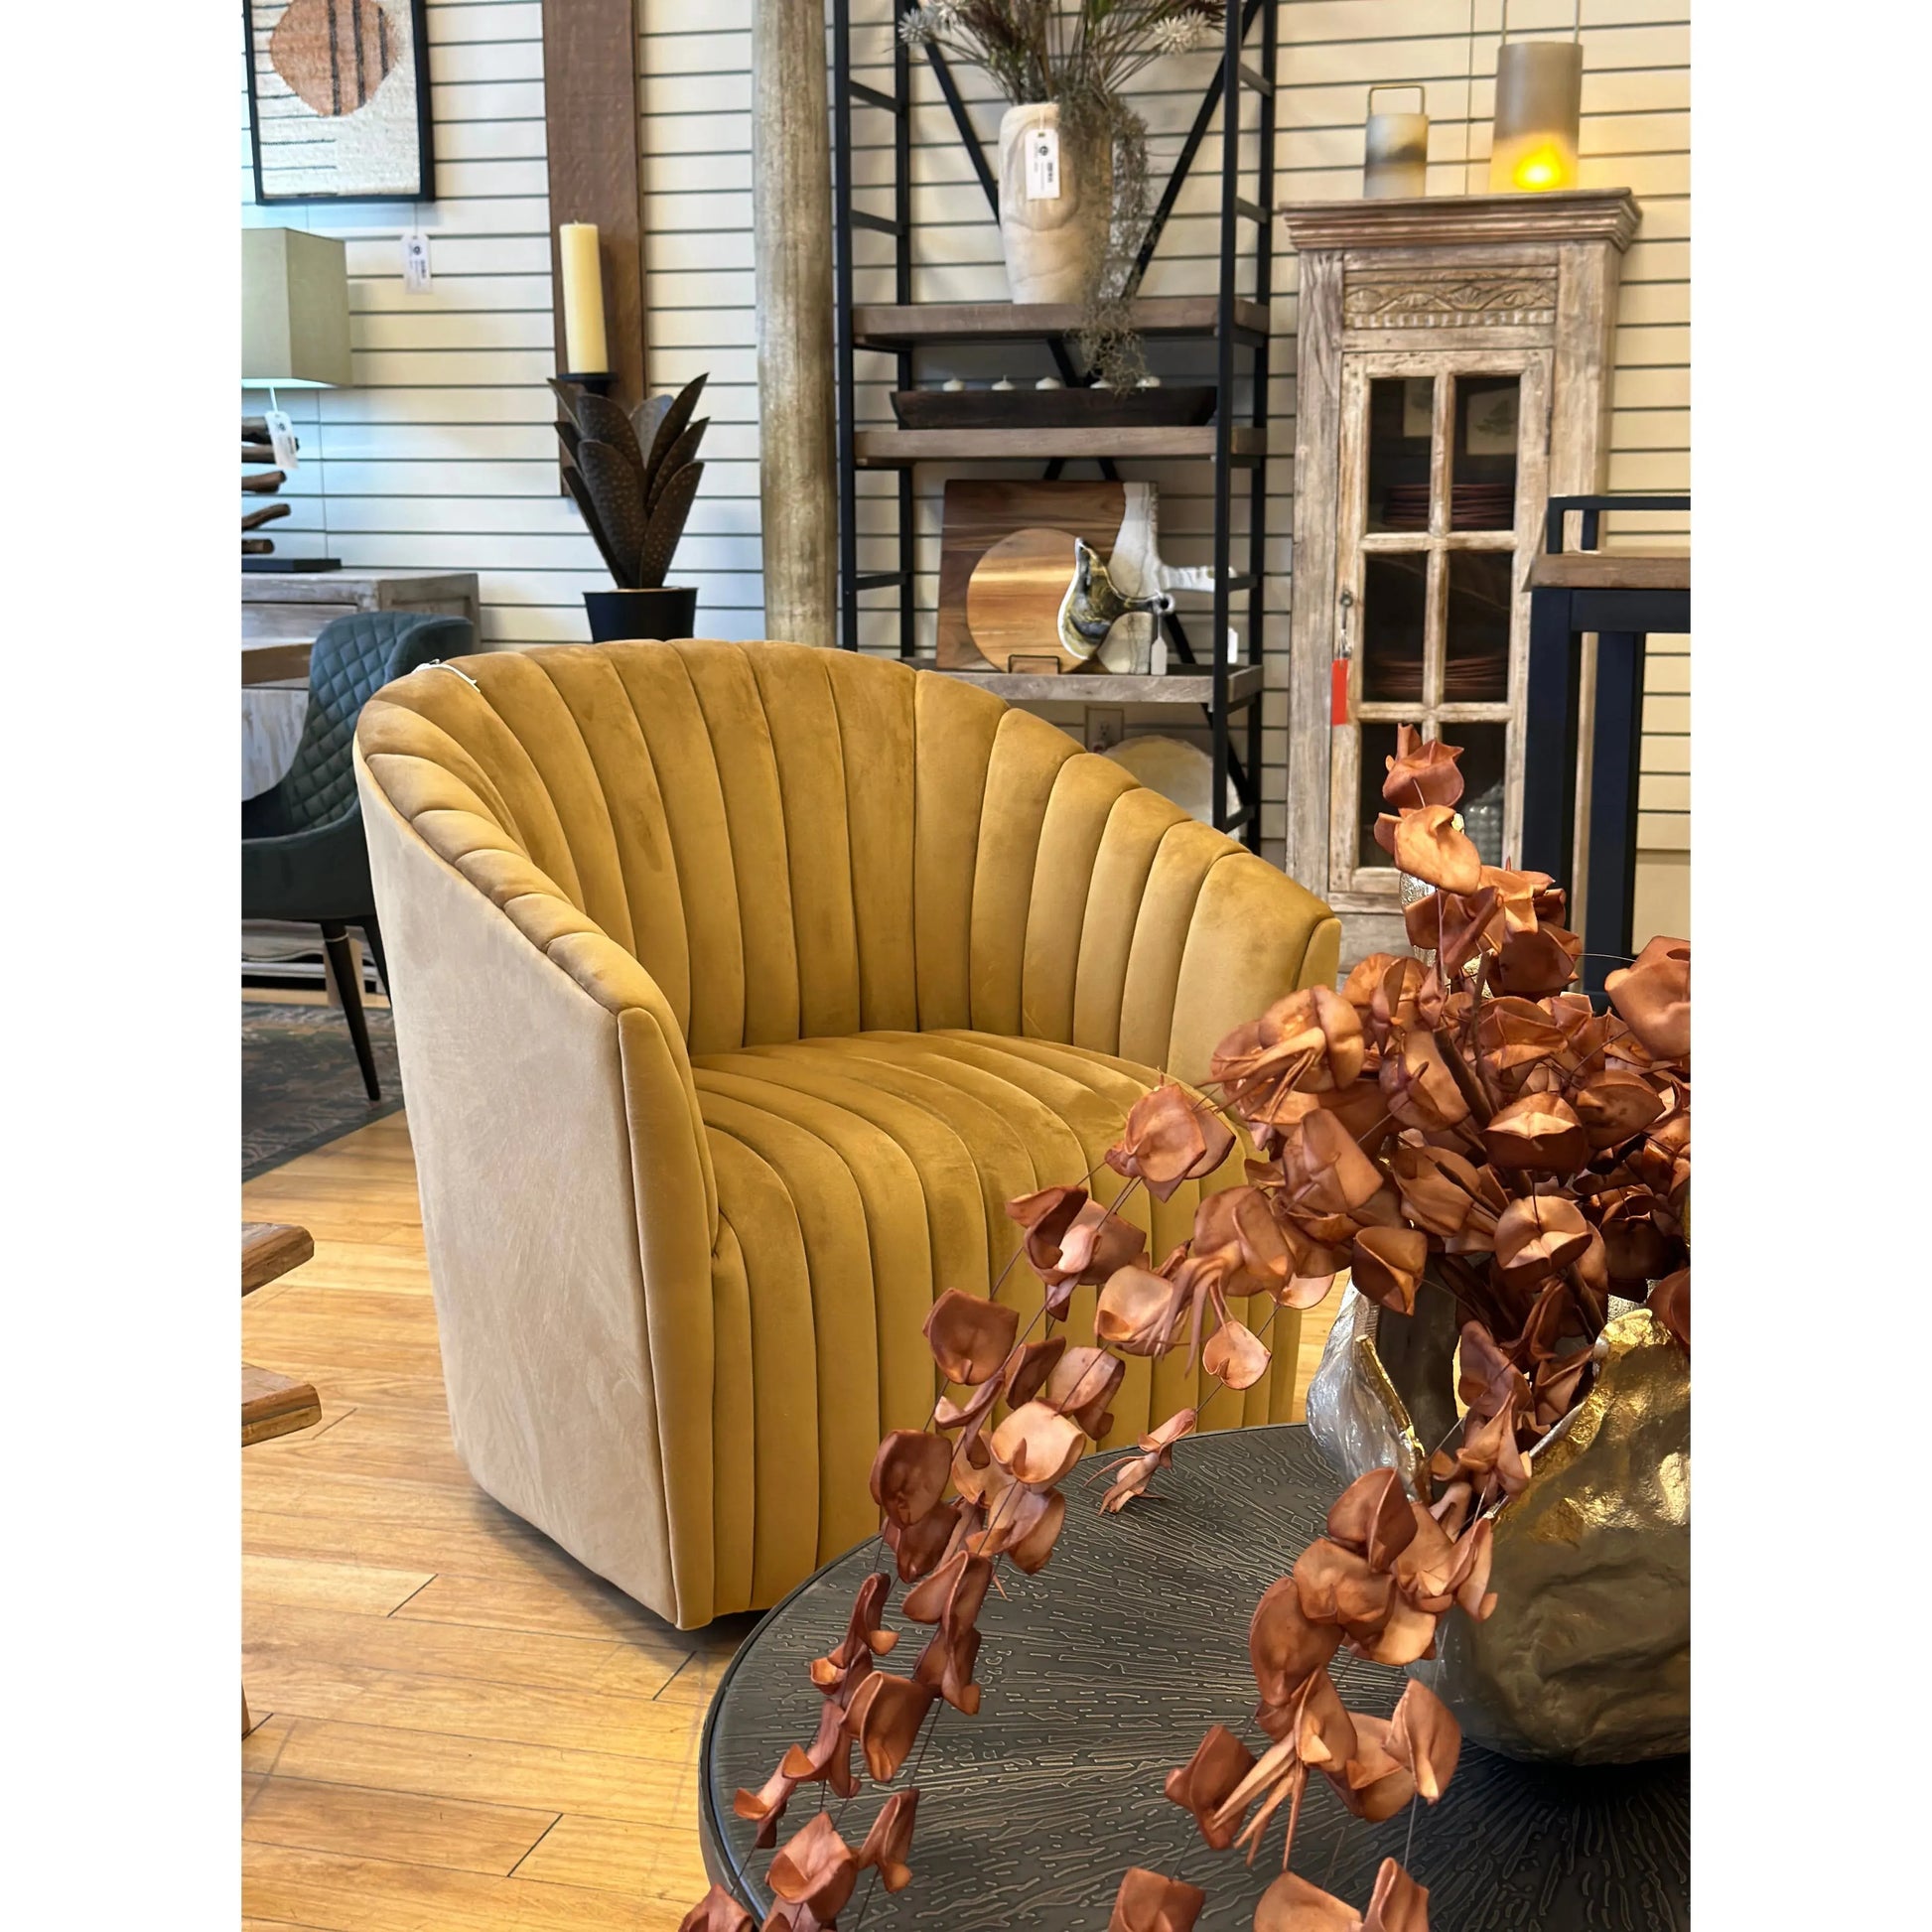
<point x="583" y="290"/>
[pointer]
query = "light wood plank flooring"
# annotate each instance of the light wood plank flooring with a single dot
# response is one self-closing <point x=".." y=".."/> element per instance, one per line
<point x="459" y="1729"/>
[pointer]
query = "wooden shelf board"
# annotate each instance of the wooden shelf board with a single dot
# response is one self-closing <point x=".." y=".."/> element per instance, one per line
<point x="887" y="449"/>
<point x="889" y="326"/>
<point x="269" y="1249"/>
<point x="1187" y="687"/>
<point x="276" y="664"/>
<point x="1610" y="570"/>
<point x="348" y="586"/>
<point x="275" y="1405"/>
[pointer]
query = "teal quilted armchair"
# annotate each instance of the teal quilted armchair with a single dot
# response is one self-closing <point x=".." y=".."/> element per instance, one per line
<point x="303" y="857"/>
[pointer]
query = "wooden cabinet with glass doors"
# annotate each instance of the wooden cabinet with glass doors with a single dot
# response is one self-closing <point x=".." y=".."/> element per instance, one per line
<point x="1454" y="364"/>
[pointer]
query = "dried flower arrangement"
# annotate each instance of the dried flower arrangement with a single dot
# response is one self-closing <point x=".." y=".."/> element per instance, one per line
<point x="1082" y="57"/>
<point x="1472" y="1120"/>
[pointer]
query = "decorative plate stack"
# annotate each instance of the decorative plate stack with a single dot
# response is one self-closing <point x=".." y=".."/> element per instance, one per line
<point x="1472" y="506"/>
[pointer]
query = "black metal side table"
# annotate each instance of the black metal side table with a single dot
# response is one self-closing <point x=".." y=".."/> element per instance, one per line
<point x="1622" y="598"/>
<point x="1102" y="1672"/>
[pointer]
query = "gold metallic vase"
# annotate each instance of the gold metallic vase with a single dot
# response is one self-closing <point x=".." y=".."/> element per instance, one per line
<point x="1587" y="1658"/>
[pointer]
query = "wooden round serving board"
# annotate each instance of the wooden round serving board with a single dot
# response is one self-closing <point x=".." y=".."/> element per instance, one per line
<point x="1012" y="600"/>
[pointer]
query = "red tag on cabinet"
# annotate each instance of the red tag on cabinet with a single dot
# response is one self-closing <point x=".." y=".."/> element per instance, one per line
<point x="1338" y="692"/>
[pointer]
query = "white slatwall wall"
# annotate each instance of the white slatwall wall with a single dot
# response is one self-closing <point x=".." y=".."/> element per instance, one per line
<point x="442" y="453"/>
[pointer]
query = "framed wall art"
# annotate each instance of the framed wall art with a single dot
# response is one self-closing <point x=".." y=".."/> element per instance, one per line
<point x="339" y="100"/>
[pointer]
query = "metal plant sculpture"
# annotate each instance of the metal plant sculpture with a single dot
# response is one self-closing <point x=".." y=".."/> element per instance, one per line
<point x="633" y="477"/>
<point x="1471" y="1119"/>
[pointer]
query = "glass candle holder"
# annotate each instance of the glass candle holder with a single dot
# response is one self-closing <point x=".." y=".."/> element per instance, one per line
<point x="1539" y="104"/>
<point x="1395" y="149"/>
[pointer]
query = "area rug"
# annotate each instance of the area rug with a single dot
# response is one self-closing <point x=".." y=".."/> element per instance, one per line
<point x="299" y="1085"/>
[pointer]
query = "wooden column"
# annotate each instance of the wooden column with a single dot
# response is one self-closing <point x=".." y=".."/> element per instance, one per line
<point x="590" y="120"/>
<point x="792" y="223"/>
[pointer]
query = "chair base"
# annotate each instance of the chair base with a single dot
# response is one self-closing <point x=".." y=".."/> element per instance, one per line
<point x="348" y="983"/>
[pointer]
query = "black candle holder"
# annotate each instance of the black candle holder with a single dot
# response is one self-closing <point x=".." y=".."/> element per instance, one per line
<point x="597" y="383"/>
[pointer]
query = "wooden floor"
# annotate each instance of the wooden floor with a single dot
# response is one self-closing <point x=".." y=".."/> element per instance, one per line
<point x="457" y="1727"/>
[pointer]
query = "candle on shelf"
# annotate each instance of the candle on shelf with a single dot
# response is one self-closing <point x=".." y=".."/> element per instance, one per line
<point x="1395" y="148"/>
<point x="1539" y="104"/>
<point x="583" y="291"/>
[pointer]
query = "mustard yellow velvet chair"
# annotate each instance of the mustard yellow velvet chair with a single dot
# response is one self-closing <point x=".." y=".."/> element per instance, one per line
<point x="738" y="987"/>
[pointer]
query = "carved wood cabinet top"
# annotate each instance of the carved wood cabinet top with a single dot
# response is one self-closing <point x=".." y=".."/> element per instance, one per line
<point x="1449" y="298"/>
<point x="1465" y="221"/>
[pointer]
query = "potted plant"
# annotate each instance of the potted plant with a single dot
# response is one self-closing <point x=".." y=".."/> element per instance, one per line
<point x="1064" y="68"/>
<point x="635" y="477"/>
<point x="1489" y="1136"/>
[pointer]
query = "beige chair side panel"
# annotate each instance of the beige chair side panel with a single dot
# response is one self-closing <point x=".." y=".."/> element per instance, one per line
<point x="516" y="1103"/>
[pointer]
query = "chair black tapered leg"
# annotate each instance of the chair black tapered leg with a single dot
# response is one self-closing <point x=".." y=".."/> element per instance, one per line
<point x="348" y="982"/>
<point x="373" y="934"/>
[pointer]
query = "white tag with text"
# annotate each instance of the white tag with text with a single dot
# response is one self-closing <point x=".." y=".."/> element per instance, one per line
<point x="1044" y="164"/>
<point x="415" y="261"/>
<point x="281" y="433"/>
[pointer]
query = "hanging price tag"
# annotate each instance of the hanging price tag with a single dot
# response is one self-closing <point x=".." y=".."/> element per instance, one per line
<point x="415" y="261"/>
<point x="281" y="433"/>
<point x="1044" y="164"/>
<point x="1338" y="690"/>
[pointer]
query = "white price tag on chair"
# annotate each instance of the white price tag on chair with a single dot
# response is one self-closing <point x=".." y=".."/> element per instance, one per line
<point x="415" y="261"/>
<point x="1044" y="164"/>
<point x="281" y="434"/>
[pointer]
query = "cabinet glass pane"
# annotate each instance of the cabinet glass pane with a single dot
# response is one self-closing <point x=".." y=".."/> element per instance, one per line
<point x="1399" y="412"/>
<point x="1483" y="465"/>
<point x="1475" y="631"/>
<point x="1378" y="747"/>
<point x="1395" y="597"/>
<point x="1481" y="807"/>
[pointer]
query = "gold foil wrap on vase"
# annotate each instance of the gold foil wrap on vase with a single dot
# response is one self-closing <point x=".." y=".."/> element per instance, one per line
<point x="1586" y="1657"/>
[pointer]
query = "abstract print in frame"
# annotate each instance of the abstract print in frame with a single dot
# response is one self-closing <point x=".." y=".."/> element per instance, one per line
<point x="339" y="100"/>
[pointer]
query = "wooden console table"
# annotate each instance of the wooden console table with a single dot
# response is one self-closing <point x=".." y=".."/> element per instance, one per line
<point x="280" y="617"/>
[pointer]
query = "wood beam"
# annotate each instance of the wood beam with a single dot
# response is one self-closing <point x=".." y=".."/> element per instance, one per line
<point x="791" y="224"/>
<point x="590" y="117"/>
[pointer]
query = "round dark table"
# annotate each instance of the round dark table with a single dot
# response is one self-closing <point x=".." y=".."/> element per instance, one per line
<point x="1101" y="1674"/>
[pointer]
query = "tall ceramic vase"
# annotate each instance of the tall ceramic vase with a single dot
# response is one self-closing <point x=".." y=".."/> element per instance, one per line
<point x="1053" y="246"/>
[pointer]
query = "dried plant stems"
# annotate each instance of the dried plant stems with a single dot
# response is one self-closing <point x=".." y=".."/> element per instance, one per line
<point x="1528" y="1153"/>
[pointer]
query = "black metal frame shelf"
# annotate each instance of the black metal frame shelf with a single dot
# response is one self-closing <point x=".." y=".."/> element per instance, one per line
<point x="1229" y="318"/>
<point x="1622" y="602"/>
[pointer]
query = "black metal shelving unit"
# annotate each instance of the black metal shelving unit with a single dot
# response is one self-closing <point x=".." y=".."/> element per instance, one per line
<point x="1233" y="322"/>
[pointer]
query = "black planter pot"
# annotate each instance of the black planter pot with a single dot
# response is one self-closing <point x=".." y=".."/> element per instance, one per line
<point x="617" y="615"/>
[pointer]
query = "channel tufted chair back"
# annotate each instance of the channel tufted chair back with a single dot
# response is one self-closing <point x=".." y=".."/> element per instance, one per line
<point x="737" y="989"/>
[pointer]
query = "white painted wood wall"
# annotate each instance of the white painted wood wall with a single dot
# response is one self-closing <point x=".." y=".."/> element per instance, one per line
<point x="442" y="453"/>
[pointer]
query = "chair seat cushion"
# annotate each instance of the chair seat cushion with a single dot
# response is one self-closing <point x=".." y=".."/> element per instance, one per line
<point x="858" y="1179"/>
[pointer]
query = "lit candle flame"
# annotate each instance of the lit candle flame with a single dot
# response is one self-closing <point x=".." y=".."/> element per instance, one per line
<point x="1540" y="168"/>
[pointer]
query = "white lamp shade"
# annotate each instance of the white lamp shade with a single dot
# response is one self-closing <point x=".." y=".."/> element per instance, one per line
<point x="294" y="310"/>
